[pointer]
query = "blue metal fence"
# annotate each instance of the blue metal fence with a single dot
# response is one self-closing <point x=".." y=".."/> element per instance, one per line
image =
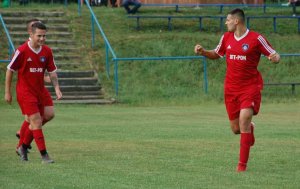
<point x="11" y="47"/>
<point x="219" y="5"/>
<point x="116" y="60"/>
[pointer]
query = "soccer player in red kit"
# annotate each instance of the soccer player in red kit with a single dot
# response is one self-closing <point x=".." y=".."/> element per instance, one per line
<point x="31" y="60"/>
<point x="48" y="112"/>
<point x="243" y="82"/>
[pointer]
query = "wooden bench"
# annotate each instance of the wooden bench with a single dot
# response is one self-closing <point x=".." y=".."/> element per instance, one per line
<point x="200" y="18"/>
<point x="293" y="84"/>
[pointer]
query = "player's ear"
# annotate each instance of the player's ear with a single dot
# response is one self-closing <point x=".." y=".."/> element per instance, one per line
<point x="236" y="20"/>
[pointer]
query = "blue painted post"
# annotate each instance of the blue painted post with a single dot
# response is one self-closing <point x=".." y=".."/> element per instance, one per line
<point x="299" y="25"/>
<point x="66" y="3"/>
<point x="116" y="77"/>
<point x="274" y="24"/>
<point x="200" y="23"/>
<point x="137" y="23"/>
<point x="205" y="74"/>
<point x="177" y="8"/>
<point x="169" y="23"/>
<point x="79" y="7"/>
<point x="248" y="22"/>
<point x="264" y="8"/>
<point x="107" y="61"/>
<point x="221" y="24"/>
<point x="221" y="8"/>
<point x="93" y="31"/>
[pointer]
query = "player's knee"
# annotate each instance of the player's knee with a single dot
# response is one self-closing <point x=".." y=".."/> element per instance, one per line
<point x="235" y="129"/>
<point x="48" y="117"/>
<point x="36" y="123"/>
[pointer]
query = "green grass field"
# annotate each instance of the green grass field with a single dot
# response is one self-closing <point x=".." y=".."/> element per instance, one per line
<point x="153" y="147"/>
<point x="168" y="133"/>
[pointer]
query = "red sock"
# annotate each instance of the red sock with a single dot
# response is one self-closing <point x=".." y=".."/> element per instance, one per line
<point x="23" y="129"/>
<point x="28" y="137"/>
<point x="245" y="144"/>
<point x="39" y="139"/>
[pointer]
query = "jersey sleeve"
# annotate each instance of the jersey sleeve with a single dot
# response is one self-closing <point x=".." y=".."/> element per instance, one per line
<point x="51" y="67"/>
<point x="264" y="46"/>
<point x="15" y="62"/>
<point x="220" y="49"/>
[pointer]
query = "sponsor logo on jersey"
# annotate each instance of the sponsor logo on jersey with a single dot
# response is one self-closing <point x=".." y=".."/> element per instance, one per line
<point x="34" y="70"/>
<point x="43" y="59"/>
<point x="245" y="47"/>
<point x="29" y="59"/>
<point x="229" y="47"/>
<point x="237" y="57"/>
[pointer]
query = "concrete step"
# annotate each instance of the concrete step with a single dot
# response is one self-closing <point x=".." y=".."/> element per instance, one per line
<point x="23" y="20"/>
<point x="50" y="34"/>
<point x="33" y="13"/>
<point x="49" y="42"/>
<point x="77" y="81"/>
<point x="79" y="97"/>
<point x="75" y="74"/>
<point x="81" y="93"/>
<point x="88" y="101"/>
<point x="59" y="57"/>
<point x="74" y="88"/>
<point x="22" y="27"/>
<point x="68" y="65"/>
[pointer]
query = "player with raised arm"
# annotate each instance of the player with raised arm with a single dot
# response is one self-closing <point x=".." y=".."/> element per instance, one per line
<point x="243" y="82"/>
<point x="31" y="60"/>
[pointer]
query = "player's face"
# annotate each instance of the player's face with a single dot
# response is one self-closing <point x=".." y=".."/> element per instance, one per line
<point x="231" y="22"/>
<point x="38" y="37"/>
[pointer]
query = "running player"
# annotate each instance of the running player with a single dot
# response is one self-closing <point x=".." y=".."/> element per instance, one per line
<point x="243" y="83"/>
<point x="25" y="124"/>
<point x="31" y="60"/>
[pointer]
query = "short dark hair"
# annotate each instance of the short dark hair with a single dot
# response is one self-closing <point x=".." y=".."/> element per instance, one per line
<point x="239" y="13"/>
<point x="38" y="25"/>
<point x="31" y="21"/>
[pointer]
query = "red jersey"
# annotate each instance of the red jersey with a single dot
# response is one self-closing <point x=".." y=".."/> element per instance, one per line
<point x="242" y="58"/>
<point x="31" y="66"/>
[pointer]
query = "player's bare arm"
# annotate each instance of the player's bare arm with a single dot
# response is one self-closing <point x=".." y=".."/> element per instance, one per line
<point x="8" y="79"/>
<point x="54" y="80"/>
<point x="211" y="54"/>
<point x="274" y="58"/>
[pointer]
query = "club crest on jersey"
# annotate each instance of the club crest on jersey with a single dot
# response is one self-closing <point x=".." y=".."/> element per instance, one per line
<point x="43" y="59"/>
<point x="245" y="47"/>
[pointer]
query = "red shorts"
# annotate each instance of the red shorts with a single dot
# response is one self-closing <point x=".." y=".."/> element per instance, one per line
<point x="234" y="102"/>
<point x="31" y="104"/>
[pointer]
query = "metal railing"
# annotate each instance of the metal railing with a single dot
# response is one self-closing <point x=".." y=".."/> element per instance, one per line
<point x="220" y="5"/>
<point x="11" y="47"/>
<point x="116" y="60"/>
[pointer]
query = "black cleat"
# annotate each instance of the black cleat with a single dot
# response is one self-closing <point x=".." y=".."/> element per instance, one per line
<point x="22" y="153"/>
<point x="46" y="159"/>
<point x="18" y="136"/>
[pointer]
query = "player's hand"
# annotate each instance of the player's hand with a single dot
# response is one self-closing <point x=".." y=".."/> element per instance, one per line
<point x="8" y="98"/>
<point x="58" y="94"/>
<point x="47" y="79"/>
<point x="198" y="49"/>
<point x="274" y="58"/>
